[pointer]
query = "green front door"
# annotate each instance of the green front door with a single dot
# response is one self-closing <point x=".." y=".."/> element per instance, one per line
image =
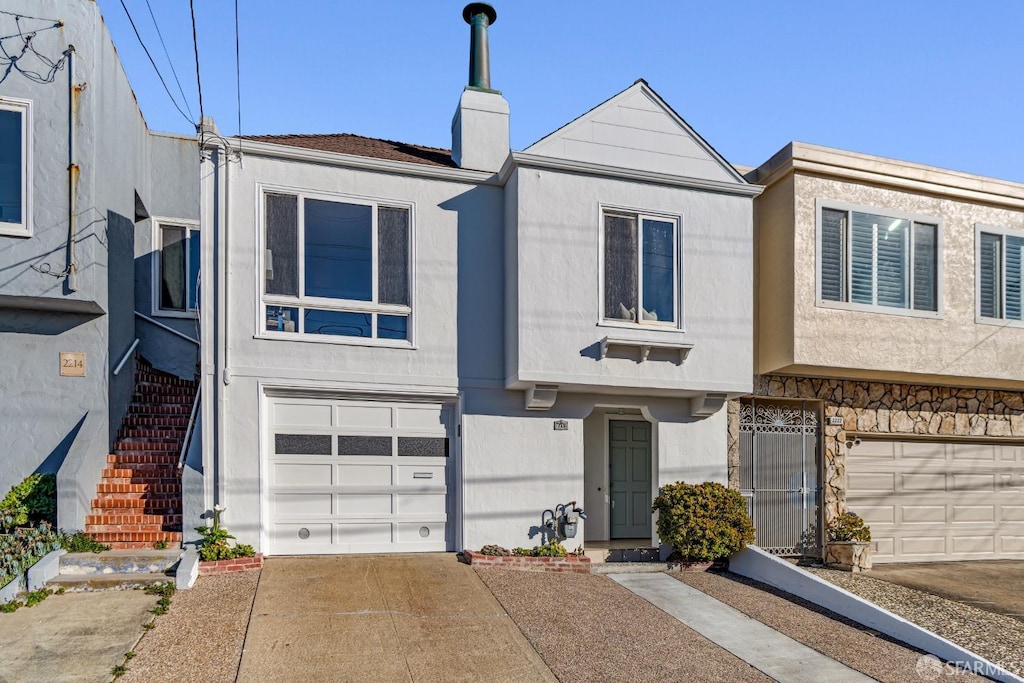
<point x="629" y="464"/>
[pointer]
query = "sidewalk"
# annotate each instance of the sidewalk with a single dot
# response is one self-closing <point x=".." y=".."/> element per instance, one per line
<point x="762" y="647"/>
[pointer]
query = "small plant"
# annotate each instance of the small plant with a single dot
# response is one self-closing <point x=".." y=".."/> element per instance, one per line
<point x="128" y="656"/>
<point x="33" y="500"/>
<point x="22" y="548"/>
<point x="160" y="545"/>
<point x="848" y="527"/>
<point x="9" y="607"/>
<point x="495" y="550"/>
<point x="703" y="522"/>
<point x="119" y="670"/>
<point x="215" y="543"/>
<point x="149" y="626"/>
<point x="81" y="542"/>
<point x="550" y="549"/>
<point x="165" y="591"/>
<point x="33" y="598"/>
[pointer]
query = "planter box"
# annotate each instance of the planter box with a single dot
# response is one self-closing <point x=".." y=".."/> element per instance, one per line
<point x="239" y="564"/>
<point x="571" y="563"/>
<point x="850" y="556"/>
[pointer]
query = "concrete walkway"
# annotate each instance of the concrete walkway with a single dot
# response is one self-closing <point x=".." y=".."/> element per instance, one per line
<point x="993" y="585"/>
<point x="764" y="648"/>
<point x="422" y="617"/>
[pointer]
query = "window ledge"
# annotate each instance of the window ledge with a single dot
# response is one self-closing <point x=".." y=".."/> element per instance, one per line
<point x="14" y="230"/>
<point x="645" y="346"/>
<point x="999" y="322"/>
<point x="181" y="315"/>
<point x="337" y="340"/>
<point x="884" y="310"/>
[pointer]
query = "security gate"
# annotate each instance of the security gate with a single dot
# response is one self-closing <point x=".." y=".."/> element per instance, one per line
<point x="779" y="474"/>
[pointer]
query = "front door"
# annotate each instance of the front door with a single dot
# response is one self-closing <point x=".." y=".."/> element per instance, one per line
<point x="629" y="481"/>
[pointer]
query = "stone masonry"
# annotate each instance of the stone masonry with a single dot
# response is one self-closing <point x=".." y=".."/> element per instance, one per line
<point x="899" y="410"/>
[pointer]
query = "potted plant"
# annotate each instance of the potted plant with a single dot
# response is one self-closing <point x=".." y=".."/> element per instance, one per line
<point x="849" y="543"/>
<point x="703" y="523"/>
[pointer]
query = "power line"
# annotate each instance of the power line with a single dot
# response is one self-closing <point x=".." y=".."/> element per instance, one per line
<point x="171" y="63"/>
<point x="195" y="47"/>
<point x="151" y="61"/>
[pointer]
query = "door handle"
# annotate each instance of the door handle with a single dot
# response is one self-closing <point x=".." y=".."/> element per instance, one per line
<point x="613" y="502"/>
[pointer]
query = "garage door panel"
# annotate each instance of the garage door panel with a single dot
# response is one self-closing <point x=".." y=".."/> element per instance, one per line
<point x="952" y="501"/>
<point x="376" y="481"/>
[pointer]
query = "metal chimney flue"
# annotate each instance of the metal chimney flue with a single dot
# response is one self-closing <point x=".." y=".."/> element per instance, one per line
<point x="479" y="15"/>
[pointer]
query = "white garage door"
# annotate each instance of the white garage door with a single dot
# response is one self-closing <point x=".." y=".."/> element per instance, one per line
<point x="358" y="476"/>
<point x="930" y="501"/>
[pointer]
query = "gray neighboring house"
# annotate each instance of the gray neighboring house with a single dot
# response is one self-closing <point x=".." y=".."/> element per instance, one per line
<point x="88" y="195"/>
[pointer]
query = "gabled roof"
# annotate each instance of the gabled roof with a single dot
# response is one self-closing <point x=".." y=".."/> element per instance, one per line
<point x="637" y="129"/>
<point x="346" y="143"/>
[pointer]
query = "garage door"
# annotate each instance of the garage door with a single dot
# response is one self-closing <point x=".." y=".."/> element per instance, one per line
<point x="939" y="501"/>
<point x="358" y="476"/>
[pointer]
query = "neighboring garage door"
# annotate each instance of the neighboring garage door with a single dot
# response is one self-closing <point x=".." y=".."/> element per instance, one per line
<point x="358" y="476"/>
<point x="928" y="501"/>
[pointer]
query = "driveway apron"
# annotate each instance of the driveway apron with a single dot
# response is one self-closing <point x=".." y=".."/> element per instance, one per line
<point x="993" y="585"/>
<point x="422" y="617"/>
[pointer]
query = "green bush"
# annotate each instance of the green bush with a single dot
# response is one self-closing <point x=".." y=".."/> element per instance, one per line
<point x="23" y="548"/>
<point x="495" y="550"/>
<point x="848" y="527"/>
<point x="33" y="500"/>
<point x="215" y="545"/>
<point x="550" y="549"/>
<point x="703" y="522"/>
<point x="80" y="542"/>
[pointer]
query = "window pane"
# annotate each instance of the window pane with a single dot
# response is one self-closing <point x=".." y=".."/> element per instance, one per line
<point x="925" y="267"/>
<point x="282" y="250"/>
<point x="337" y="323"/>
<point x="172" y="268"/>
<point x="659" y="269"/>
<point x="392" y="327"/>
<point x="620" y="267"/>
<point x="833" y="253"/>
<point x="1012" y="277"/>
<point x="393" y="256"/>
<point x="10" y="166"/>
<point x="990" y="266"/>
<point x="194" y="255"/>
<point x="862" y="271"/>
<point x="282" y="319"/>
<point x="302" y="444"/>
<point x="893" y="238"/>
<point x="339" y="250"/>
<point x="364" y="445"/>
<point x="423" y="446"/>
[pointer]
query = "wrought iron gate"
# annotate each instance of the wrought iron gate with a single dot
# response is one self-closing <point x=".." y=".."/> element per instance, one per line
<point x="779" y="467"/>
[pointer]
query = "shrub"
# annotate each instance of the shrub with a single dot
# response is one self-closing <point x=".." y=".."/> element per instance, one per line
<point x="23" y="548"/>
<point x="495" y="550"/>
<point x="215" y="544"/>
<point x="80" y="542"/>
<point x="703" y="522"/>
<point x="848" y="527"/>
<point x="33" y="500"/>
<point x="550" y="549"/>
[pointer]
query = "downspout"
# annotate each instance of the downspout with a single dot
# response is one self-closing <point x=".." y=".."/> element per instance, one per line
<point x="225" y="199"/>
<point x="74" y="93"/>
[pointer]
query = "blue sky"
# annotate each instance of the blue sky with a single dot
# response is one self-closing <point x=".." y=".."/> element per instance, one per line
<point x="931" y="82"/>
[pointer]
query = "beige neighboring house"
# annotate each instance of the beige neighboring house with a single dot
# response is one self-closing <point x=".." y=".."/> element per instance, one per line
<point x="889" y="337"/>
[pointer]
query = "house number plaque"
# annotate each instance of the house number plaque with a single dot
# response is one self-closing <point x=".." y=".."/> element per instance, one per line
<point x="561" y="425"/>
<point x="72" y="364"/>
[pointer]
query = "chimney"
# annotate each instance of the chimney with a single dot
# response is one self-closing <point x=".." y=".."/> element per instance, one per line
<point x="480" y="126"/>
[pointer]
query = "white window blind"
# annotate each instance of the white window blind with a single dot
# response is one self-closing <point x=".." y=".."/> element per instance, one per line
<point x="1000" y="262"/>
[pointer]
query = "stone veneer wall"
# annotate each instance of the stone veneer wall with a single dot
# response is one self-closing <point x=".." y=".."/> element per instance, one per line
<point x="883" y="408"/>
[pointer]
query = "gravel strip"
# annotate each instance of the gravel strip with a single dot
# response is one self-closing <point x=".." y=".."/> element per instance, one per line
<point x="832" y="635"/>
<point x="200" y="638"/>
<point x="998" y="638"/>
<point x="589" y="628"/>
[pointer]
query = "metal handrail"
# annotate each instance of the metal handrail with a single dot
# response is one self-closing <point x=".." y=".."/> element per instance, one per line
<point x="166" y="327"/>
<point x="189" y="429"/>
<point x="127" y="355"/>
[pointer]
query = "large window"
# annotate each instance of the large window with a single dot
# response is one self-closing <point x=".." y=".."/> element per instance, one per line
<point x="999" y="274"/>
<point x="641" y="273"/>
<point x="878" y="261"/>
<point x="336" y="267"/>
<point x="15" y="166"/>
<point x="177" y="267"/>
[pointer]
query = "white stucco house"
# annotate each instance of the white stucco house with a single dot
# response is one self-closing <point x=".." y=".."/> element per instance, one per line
<point x="407" y="348"/>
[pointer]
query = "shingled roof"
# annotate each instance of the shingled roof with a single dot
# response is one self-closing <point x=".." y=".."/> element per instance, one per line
<point x="346" y="143"/>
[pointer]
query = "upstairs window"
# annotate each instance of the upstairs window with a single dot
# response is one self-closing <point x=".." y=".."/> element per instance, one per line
<point x="336" y="267"/>
<point x="641" y="269"/>
<point x="999" y="274"/>
<point x="15" y="167"/>
<point x="876" y="261"/>
<point x="177" y="267"/>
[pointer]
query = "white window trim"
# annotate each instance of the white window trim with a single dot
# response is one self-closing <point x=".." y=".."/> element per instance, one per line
<point x="649" y="325"/>
<point x="819" y="302"/>
<point x="23" y="229"/>
<point x="342" y="305"/>
<point x="158" y="246"/>
<point x="1002" y="232"/>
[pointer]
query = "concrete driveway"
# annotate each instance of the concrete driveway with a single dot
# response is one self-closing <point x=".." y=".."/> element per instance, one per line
<point x="423" y="617"/>
<point x="994" y="586"/>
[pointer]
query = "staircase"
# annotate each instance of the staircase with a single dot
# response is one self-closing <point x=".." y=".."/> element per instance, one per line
<point x="138" y="499"/>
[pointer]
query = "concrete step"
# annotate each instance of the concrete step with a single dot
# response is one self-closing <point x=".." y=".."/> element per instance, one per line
<point x="628" y="567"/>
<point x="119" y="562"/>
<point x="638" y="554"/>
<point x="80" y="583"/>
